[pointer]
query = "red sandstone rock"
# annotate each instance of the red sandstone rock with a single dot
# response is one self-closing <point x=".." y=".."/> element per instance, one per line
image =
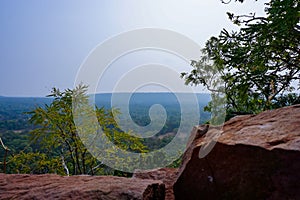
<point x="255" y="157"/>
<point x="50" y="186"/>
<point x="166" y="175"/>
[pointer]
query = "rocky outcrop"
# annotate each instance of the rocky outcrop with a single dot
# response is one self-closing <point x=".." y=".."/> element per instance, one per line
<point x="166" y="175"/>
<point x="52" y="186"/>
<point x="255" y="157"/>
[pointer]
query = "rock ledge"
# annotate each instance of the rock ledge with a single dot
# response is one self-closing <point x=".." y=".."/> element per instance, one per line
<point x="51" y="186"/>
<point x="255" y="157"/>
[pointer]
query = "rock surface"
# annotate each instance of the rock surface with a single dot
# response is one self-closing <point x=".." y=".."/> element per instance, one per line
<point x="254" y="157"/>
<point x="50" y="186"/>
<point x="166" y="175"/>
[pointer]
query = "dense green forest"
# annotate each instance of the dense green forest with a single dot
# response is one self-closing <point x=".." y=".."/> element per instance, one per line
<point x="15" y="126"/>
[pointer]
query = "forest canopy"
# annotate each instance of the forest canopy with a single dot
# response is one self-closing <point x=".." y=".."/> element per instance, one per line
<point x="59" y="149"/>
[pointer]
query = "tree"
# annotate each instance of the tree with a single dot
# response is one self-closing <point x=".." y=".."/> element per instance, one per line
<point x="6" y="149"/>
<point x="259" y="64"/>
<point x="61" y="149"/>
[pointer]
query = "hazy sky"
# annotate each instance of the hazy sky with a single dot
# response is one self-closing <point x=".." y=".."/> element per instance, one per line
<point x="43" y="43"/>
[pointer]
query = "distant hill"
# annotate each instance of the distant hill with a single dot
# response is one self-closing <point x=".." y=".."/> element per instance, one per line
<point x="104" y="99"/>
<point x="12" y="108"/>
<point x="24" y="104"/>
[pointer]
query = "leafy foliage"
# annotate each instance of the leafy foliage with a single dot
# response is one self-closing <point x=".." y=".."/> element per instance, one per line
<point x="15" y="130"/>
<point x="61" y="150"/>
<point x="35" y="163"/>
<point x="259" y="63"/>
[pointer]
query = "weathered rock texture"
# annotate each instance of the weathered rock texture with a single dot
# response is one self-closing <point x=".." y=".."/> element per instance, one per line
<point x="52" y="186"/>
<point x="255" y="157"/>
<point x="166" y="175"/>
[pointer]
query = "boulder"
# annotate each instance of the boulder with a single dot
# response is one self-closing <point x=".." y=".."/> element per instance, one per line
<point x="166" y="175"/>
<point x="50" y="186"/>
<point x="254" y="157"/>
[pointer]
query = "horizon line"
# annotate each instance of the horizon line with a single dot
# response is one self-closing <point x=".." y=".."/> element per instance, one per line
<point x="165" y="92"/>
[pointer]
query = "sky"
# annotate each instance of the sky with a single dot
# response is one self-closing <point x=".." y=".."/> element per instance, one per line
<point x="43" y="43"/>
